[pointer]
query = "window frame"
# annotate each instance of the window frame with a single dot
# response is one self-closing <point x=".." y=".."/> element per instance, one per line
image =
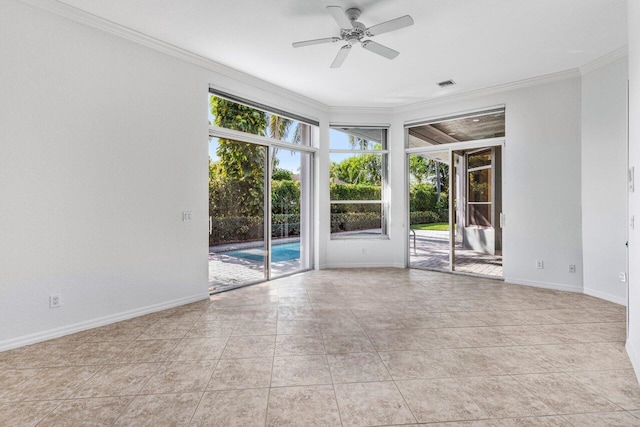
<point x="384" y="183"/>
<point x="490" y="193"/>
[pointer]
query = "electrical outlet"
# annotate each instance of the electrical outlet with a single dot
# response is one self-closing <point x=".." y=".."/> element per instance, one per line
<point x="54" y="301"/>
<point x="539" y="265"/>
<point x="572" y="268"/>
<point x="186" y="216"/>
<point x="623" y="277"/>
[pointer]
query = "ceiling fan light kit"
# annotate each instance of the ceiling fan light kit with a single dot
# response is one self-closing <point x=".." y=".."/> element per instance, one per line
<point x="352" y="32"/>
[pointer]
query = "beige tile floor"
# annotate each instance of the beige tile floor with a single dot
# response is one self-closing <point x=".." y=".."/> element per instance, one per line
<point x="348" y="347"/>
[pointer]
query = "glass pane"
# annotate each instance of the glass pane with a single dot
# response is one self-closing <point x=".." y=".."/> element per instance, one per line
<point x="356" y="176"/>
<point x="236" y="210"/>
<point x="356" y="219"/>
<point x="480" y="214"/>
<point x="357" y="139"/>
<point x="429" y="240"/>
<point x="290" y="212"/>
<point x="226" y="114"/>
<point x="480" y="185"/>
<point x="471" y="128"/>
<point x="480" y="159"/>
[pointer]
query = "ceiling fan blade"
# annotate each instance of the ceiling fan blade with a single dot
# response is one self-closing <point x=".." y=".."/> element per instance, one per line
<point x="379" y="49"/>
<point x="316" y="41"/>
<point x="394" y="24"/>
<point x="339" y="16"/>
<point x="341" y="56"/>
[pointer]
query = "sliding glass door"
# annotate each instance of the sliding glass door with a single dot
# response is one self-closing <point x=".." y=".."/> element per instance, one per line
<point x="455" y="193"/>
<point x="237" y="232"/>
<point x="290" y="211"/>
<point x="455" y="205"/>
<point x="260" y="193"/>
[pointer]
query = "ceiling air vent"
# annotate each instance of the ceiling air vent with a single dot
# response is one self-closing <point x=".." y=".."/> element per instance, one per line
<point x="446" y="83"/>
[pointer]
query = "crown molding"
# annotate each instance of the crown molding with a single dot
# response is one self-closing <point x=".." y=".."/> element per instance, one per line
<point x="88" y="19"/>
<point x="91" y="20"/>
<point x="604" y="60"/>
<point x="361" y="110"/>
<point x="533" y="81"/>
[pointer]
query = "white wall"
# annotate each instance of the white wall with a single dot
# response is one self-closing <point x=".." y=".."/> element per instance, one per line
<point x="541" y="178"/>
<point x="633" y="342"/>
<point x="103" y="144"/>
<point x="604" y="177"/>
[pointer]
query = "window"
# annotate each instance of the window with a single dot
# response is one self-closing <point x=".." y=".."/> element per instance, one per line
<point x="358" y="174"/>
<point x="479" y="188"/>
<point x="258" y="120"/>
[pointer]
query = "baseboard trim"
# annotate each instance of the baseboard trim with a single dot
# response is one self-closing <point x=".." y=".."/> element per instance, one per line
<point x="544" y="285"/>
<point x="606" y="296"/>
<point x="94" y="323"/>
<point x="360" y="265"/>
<point x="634" y="358"/>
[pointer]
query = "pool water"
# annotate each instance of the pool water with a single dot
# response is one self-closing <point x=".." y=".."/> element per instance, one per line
<point x="279" y="253"/>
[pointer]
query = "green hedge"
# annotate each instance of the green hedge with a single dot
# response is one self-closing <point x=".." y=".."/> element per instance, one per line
<point x="424" y="206"/>
<point x="355" y="221"/>
<point x="230" y="226"/>
<point x="233" y="229"/>
<point x="354" y="192"/>
<point x="285" y="225"/>
<point x="426" y="217"/>
<point x="236" y="229"/>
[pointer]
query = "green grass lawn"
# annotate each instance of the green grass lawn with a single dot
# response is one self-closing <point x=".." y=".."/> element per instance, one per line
<point x="438" y="226"/>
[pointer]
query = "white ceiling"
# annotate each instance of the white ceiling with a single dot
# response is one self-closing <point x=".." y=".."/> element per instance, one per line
<point x="477" y="43"/>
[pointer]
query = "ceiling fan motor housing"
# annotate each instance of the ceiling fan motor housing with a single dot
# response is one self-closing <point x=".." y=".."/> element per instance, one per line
<point x="353" y="13"/>
<point x="357" y="31"/>
<point x="354" y="34"/>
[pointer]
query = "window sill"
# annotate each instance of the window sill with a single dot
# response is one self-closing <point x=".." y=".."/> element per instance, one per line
<point x="360" y="237"/>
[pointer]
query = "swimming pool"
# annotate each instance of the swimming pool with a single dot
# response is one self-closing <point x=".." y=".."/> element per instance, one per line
<point x="279" y="253"/>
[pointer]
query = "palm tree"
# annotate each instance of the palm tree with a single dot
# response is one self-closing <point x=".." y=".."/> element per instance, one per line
<point x="277" y="128"/>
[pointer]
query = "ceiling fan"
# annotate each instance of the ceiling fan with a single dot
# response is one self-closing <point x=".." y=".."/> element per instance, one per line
<point x="352" y="32"/>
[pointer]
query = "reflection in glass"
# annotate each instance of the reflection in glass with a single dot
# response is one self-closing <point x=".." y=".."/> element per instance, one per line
<point x="480" y="214"/>
<point x="480" y="185"/>
<point x="480" y="159"/>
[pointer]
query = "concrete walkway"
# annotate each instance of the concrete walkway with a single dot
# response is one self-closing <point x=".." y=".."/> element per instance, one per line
<point x="228" y="272"/>
<point x="432" y="252"/>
